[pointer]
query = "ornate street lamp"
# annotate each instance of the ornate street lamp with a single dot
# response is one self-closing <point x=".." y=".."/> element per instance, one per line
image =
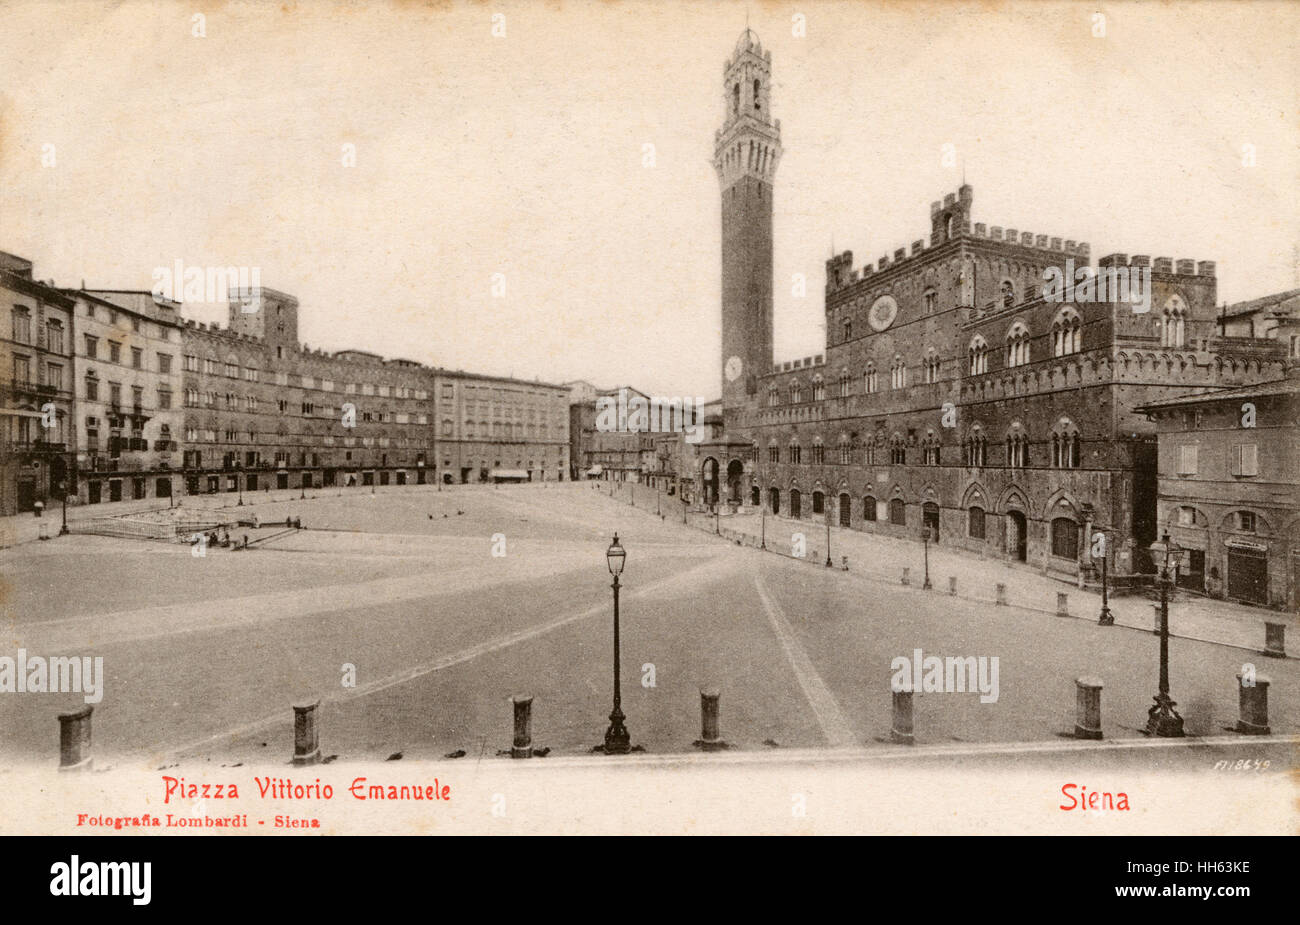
<point x="617" y="739"/>
<point x="63" y="490"/>
<point x="1105" y="618"/>
<point x="829" y="564"/>
<point x="1162" y="719"/>
<point x="925" y="546"/>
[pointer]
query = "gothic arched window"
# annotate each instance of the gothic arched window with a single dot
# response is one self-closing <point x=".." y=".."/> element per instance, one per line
<point x="1173" y="331"/>
<point x="1018" y="345"/>
<point x="978" y="354"/>
<point x="1067" y="333"/>
<point x="1066" y="446"/>
<point x="898" y="373"/>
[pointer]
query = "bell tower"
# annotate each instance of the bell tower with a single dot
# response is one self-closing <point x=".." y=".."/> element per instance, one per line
<point x="745" y="154"/>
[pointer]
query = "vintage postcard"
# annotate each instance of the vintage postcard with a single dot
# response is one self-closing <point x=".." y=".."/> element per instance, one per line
<point x="649" y="418"/>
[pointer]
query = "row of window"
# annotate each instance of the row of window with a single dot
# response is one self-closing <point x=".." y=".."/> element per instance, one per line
<point x="138" y="326"/>
<point x="500" y="429"/>
<point x="234" y="435"/>
<point x="23" y="372"/>
<point x="1064" y="531"/>
<point x="1067" y="339"/>
<point x="231" y="369"/>
<point x="1244" y="460"/>
<point x="115" y="354"/>
<point x="1065" y="453"/>
<point x="115" y="392"/>
<point x="22" y="330"/>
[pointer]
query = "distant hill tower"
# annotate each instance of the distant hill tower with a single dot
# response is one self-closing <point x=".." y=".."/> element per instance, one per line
<point x="745" y="154"/>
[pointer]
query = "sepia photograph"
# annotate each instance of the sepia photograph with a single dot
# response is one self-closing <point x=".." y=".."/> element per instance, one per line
<point x="649" y="418"/>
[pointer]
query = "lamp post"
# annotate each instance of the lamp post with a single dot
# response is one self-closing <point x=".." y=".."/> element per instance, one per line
<point x="239" y="483"/>
<point x="762" y="523"/>
<point x="925" y="546"/>
<point x="617" y="739"/>
<point x="63" y="490"/>
<point x="1162" y="719"/>
<point x="1105" y="619"/>
<point x="829" y="564"/>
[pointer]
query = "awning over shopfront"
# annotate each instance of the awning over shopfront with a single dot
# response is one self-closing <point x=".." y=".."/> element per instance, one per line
<point x="509" y="475"/>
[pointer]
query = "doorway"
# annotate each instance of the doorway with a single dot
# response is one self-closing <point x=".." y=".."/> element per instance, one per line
<point x="930" y="519"/>
<point x="26" y="495"/>
<point x="1017" y="536"/>
<point x="1248" y="575"/>
<point x="795" y="505"/>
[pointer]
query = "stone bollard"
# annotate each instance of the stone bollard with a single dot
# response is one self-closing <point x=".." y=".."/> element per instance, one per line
<point x="906" y="572"/>
<point x="952" y="584"/>
<point x="523" y="743"/>
<point x="1087" y="711"/>
<point x="1002" y="594"/>
<point x="1252" y="701"/>
<point x="710" y="739"/>
<point x="1275" y="639"/>
<point x="45" y="531"/>
<point x="900" y="730"/>
<point x="1062" y="604"/>
<point x="306" y="734"/>
<point x="844" y="563"/>
<point x="74" y="740"/>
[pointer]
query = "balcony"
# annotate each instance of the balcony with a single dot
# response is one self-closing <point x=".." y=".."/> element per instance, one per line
<point x="35" y="447"/>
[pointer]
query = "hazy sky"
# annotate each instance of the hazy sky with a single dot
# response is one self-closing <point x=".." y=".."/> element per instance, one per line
<point x="523" y="155"/>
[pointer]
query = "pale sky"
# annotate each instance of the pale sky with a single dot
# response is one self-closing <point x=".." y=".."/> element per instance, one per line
<point x="523" y="155"/>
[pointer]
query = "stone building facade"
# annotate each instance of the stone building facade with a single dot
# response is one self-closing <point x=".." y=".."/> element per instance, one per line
<point x="165" y="406"/>
<point x="957" y="394"/>
<point x="1229" y="486"/>
<point x="38" y="441"/>
<point x="613" y="455"/>
<point x="263" y="411"/>
<point x="128" y="395"/>
<point x="495" y="428"/>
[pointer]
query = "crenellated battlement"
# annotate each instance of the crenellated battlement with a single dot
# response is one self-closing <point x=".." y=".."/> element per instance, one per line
<point x="950" y="221"/>
<point x="1028" y="239"/>
<point x="811" y="362"/>
<point x="1165" y="266"/>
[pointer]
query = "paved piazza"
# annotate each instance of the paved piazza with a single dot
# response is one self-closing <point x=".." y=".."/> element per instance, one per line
<point x="204" y="655"/>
